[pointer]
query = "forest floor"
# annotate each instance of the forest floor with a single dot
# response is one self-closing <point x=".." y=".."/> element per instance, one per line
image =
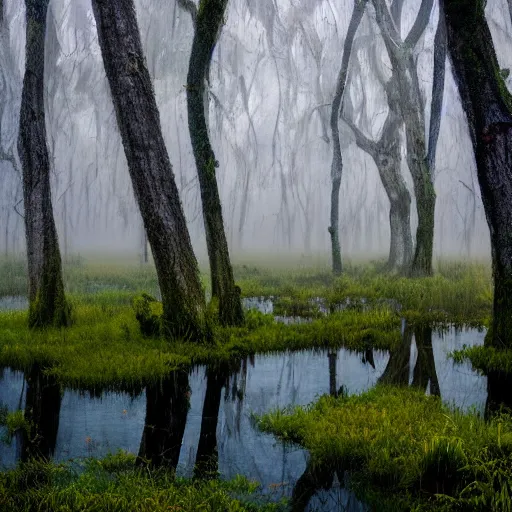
<point x="401" y="441"/>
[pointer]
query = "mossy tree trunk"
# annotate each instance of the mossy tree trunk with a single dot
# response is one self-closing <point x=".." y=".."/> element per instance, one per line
<point x="42" y="414"/>
<point x="337" y="159"/>
<point x="208" y="23"/>
<point x="46" y="289"/>
<point x="488" y="107"/>
<point x="150" y="169"/>
<point x="167" y="404"/>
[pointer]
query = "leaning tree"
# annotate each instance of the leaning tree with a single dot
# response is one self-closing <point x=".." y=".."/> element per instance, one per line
<point x="47" y="302"/>
<point x="150" y="169"/>
<point x="207" y="23"/>
<point x="488" y="107"/>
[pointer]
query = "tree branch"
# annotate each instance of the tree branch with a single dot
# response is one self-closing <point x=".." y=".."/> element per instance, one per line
<point x="420" y="23"/>
<point x="190" y="7"/>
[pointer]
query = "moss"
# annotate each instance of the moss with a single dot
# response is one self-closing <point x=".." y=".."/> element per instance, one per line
<point x="148" y="312"/>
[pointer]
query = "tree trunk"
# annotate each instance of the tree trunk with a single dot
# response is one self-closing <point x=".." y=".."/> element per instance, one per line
<point x="209" y="20"/>
<point x="150" y="169"/>
<point x="167" y="404"/>
<point x="404" y="97"/>
<point x="46" y="289"/>
<point x="387" y="157"/>
<point x="337" y="160"/>
<point x="488" y="107"/>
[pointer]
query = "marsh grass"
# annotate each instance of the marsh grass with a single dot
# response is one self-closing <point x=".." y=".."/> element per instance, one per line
<point x="485" y="359"/>
<point x="116" y="485"/>
<point x="458" y="293"/>
<point x="400" y="442"/>
<point x="104" y="349"/>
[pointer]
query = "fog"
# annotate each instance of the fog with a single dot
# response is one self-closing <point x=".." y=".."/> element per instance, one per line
<point x="272" y="81"/>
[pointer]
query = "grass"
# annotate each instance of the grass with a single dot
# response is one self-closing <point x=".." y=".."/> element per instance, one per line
<point x="114" y="484"/>
<point x="405" y="448"/>
<point x="458" y="293"/>
<point x="105" y="349"/>
<point x="485" y="359"/>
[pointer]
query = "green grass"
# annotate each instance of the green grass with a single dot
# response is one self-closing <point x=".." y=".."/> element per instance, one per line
<point x="404" y="447"/>
<point x="458" y="293"/>
<point x="485" y="359"/>
<point x="105" y="349"/>
<point x="114" y="484"/>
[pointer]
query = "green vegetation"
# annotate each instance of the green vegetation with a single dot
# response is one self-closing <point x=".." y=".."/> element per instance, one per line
<point x="105" y="348"/>
<point x="458" y="293"/>
<point x="13" y="421"/>
<point x="406" y="449"/>
<point x="117" y="485"/>
<point x="485" y="359"/>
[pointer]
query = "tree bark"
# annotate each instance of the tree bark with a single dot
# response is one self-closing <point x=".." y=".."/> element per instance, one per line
<point x="150" y="169"/>
<point x="208" y="23"/>
<point x="47" y="302"/>
<point x="405" y="98"/>
<point x="337" y="160"/>
<point x="387" y="157"/>
<point x="488" y="107"/>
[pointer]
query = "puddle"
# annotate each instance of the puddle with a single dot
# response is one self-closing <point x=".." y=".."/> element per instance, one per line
<point x="13" y="303"/>
<point x="160" y="426"/>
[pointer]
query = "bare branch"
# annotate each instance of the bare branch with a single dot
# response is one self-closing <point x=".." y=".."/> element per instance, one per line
<point x="420" y="23"/>
<point x="190" y="7"/>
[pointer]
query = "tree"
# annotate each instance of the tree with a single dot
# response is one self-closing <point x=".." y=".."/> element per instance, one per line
<point x="406" y="95"/>
<point x="488" y="107"/>
<point x="207" y="22"/>
<point x="150" y="169"/>
<point x="337" y="160"/>
<point x="47" y="302"/>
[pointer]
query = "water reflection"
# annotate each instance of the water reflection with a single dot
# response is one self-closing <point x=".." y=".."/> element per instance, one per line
<point x="167" y="405"/>
<point x="42" y="412"/>
<point x="499" y="396"/>
<point x="200" y="422"/>
<point x="402" y="371"/>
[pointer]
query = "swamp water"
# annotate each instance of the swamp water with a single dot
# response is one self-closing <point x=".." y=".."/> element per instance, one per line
<point x="206" y="416"/>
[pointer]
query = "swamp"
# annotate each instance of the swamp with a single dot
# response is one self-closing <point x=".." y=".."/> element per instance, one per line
<point x="255" y="255"/>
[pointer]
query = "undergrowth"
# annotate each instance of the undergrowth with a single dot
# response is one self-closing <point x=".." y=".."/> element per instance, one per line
<point x="116" y="485"/>
<point x="105" y="348"/>
<point x="485" y="359"/>
<point x="406" y="449"/>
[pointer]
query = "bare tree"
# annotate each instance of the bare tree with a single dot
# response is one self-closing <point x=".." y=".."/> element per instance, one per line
<point x="46" y="289"/>
<point x="408" y="100"/>
<point x="337" y="160"/>
<point x="488" y="107"/>
<point x="207" y="24"/>
<point x="150" y="168"/>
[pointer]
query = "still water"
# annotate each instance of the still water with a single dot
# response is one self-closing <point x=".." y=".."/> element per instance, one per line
<point x="207" y="414"/>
